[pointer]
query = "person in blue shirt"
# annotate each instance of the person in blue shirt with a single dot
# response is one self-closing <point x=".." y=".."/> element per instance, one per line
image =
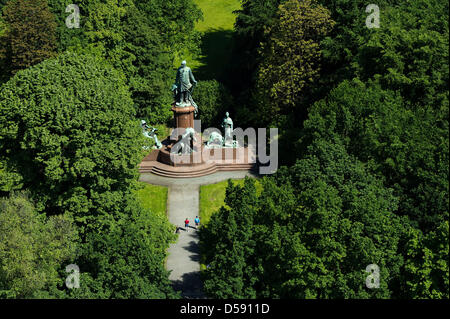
<point x="197" y="221"/>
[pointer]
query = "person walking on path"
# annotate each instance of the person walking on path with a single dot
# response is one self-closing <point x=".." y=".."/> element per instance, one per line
<point x="197" y="221"/>
<point x="186" y="224"/>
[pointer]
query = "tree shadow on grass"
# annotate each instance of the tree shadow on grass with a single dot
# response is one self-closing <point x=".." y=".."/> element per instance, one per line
<point x="216" y="47"/>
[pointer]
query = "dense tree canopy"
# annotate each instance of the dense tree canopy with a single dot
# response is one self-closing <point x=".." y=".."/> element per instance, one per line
<point x="408" y="148"/>
<point x="124" y="256"/>
<point x="290" y="57"/>
<point x="313" y="231"/>
<point x="363" y="119"/>
<point x="28" y="37"/>
<point x="69" y="128"/>
<point x="367" y="180"/>
<point x="426" y="272"/>
<point x="139" y="37"/>
<point x="310" y="234"/>
<point x="409" y="52"/>
<point x="33" y="249"/>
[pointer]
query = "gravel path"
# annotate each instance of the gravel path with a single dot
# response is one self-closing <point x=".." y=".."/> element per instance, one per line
<point x="182" y="202"/>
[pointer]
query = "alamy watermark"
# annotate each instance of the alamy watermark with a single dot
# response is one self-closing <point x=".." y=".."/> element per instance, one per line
<point x="373" y="279"/>
<point x="373" y="19"/>
<point x="239" y="147"/>
<point x="73" y="279"/>
<point x="73" y="20"/>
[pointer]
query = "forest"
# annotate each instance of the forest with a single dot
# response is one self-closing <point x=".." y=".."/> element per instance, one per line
<point x="362" y="115"/>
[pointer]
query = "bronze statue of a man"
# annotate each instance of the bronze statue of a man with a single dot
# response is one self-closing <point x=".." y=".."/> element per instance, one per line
<point x="184" y="85"/>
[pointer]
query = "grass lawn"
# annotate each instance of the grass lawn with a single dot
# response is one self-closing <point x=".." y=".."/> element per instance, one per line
<point x="216" y="28"/>
<point x="217" y="14"/>
<point x="212" y="197"/>
<point x="153" y="197"/>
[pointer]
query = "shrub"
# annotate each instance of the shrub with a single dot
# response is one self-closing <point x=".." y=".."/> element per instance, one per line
<point x="213" y="100"/>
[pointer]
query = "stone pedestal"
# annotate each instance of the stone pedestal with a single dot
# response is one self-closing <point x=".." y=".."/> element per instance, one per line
<point x="183" y="116"/>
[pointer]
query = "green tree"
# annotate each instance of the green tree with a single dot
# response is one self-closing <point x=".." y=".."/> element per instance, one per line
<point x="33" y="249"/>
<point x="408" y="55"/>
<point x="150" y="72"/>
<point x="228" y="246"/>
<point x="290" y="57"/>
<point x="69" y="37"/>
<point x="175" y="21"/>
<point x="10" y="178"/>
<point x="214" y="100"/>
<point x="30" y="34"/>
<point x="68" y="127"/>
<point x="4" y="50"/>
<point x="375" y="192"/>
<point x="139" y="38"/>
<point x="310" y="234"/>
<point x="409" y="52"/>
<point x="426" y="272"/>
<point x="407" y="148"/>
<point x="345" y="222"/>
<point x="124" y="257"/>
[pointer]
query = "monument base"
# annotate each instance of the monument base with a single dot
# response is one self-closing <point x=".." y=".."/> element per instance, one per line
<point x="202" y="160"/>
<point x="159" y="162"/>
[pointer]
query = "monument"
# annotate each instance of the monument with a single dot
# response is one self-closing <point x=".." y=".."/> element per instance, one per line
<point x="182" y="154"/>
<point x="184" y="107"/>
<point x="184" y="86"/>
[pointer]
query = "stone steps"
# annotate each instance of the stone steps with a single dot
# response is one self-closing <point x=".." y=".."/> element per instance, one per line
<point x="196" y="171"/>
<point x="165" y="170"/>
<point x="154" y="163"/>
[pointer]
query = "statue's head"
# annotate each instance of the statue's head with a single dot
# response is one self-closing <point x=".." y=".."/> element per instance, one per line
<point x="183" y="63"/>
<point x="227" y="114"/>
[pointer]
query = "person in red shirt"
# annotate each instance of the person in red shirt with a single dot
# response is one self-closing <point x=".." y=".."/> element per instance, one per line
<point x="186" y="224"/>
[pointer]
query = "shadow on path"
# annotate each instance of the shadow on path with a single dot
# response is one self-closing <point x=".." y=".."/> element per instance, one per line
<point x="190" y="285"/>
<point x="194" y="248"/>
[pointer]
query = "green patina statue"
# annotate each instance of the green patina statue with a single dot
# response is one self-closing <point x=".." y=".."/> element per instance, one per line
<point x="150" y="132"/>
<point x="184" y="86"/>
<point x="227" y="125"/>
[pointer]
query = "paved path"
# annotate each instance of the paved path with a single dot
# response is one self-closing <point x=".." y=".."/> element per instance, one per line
<point x="182" y="202"/>
<point x="184" y="256"/>
<point x="203" y="180"/>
